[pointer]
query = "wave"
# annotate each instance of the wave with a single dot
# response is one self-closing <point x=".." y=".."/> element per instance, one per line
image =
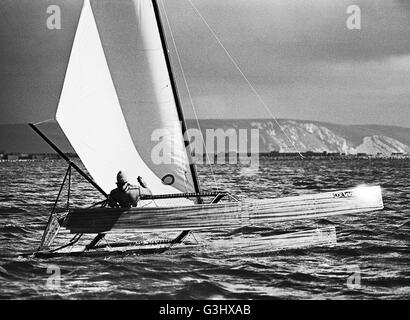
<point x="248" y="230"/>
<point x="202" y="290"/>
<point x="11" y="210"/>
<point x="405" y="225"/>
<point x="380" y="240"/>
<point x="21" y="267"/>
<point x="12" y="229"/>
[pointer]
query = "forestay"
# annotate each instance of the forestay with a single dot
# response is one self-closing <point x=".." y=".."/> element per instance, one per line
<point x="117" y="106"/>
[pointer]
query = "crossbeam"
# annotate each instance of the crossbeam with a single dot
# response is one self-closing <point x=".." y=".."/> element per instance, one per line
<point x="183" y="195"/>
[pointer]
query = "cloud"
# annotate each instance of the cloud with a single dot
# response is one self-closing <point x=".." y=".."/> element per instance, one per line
<point x="263" y="34"/>
<point x="301" y="57"/>
<point x="299" y="54"/>
<point x="33" y="59"/>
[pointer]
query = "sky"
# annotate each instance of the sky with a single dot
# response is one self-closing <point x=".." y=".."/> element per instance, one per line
<point x="298" y="54"/>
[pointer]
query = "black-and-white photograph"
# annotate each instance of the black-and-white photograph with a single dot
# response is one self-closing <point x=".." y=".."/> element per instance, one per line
<point x="204" y="150"/>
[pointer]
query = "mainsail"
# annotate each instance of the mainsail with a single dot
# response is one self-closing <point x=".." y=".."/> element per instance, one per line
<point x="117" y="105"/>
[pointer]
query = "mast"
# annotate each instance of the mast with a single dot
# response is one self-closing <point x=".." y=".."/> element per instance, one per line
<point x="176" y="97"/>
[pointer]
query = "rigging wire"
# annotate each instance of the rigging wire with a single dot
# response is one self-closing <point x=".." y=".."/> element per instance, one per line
<point x="43" y="121"/>
<point x="251" y="86"/>
<point x="189" y="92"/>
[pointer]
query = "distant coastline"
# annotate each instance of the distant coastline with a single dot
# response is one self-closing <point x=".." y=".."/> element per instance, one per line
<point x="274" y="155"/>
<point x="306" y="135"/>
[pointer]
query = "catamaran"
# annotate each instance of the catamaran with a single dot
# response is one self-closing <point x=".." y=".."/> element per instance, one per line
<point x="118" y="99"/>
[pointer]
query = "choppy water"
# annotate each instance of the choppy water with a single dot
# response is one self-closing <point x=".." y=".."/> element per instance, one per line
<point x="376" y="244"/>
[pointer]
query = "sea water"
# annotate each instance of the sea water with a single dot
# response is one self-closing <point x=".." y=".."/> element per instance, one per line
<point x="371" y="259"/>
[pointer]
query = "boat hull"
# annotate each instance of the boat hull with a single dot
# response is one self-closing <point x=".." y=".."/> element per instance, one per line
<point x="127" y="251"/>
<point x="224" y="215"/>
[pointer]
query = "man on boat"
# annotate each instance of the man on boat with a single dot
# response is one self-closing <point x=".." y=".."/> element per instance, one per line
<point x="127" y="195"/>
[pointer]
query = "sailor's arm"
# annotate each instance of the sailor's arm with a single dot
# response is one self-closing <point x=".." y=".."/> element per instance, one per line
<point x="144" y="190"/>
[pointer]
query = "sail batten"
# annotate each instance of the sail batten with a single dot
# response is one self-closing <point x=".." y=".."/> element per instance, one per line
<point x="117" y="106"/>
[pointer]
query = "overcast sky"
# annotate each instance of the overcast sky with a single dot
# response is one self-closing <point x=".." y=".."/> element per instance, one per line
<point x="301" y="57"/>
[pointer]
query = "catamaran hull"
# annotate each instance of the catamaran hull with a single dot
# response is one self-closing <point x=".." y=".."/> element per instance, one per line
<point x="129" y="250"/>
<point x="224" y="215"/>
<point x="249" y="245"/>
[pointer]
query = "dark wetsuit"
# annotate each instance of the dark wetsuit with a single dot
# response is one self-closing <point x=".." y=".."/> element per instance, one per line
<point x="126" y="196"/>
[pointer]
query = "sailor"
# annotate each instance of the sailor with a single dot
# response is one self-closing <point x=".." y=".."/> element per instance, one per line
<point x="127" y="195"/>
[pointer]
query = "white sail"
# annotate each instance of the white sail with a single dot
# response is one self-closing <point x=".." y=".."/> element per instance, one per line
<point x="113" y="112"/>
